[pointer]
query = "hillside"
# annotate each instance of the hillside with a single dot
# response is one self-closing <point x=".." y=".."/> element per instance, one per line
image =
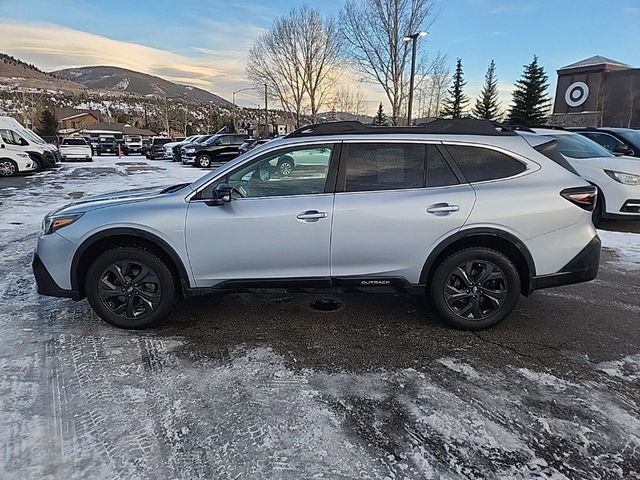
<point x="22" y="74"/>
<point x="118" y="79"/>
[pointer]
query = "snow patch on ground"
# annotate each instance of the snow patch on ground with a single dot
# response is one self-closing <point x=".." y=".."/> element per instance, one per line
<point x="627" y="368"/>
<point x="626" y="246"/>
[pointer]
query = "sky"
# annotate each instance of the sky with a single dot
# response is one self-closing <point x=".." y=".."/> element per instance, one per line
<point x="205" y="43"/>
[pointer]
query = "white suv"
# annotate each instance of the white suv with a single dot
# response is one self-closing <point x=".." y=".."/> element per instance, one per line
<point x="12" y="163"/>
<point x="465" y="211"/>
<point x="617" y="178"/>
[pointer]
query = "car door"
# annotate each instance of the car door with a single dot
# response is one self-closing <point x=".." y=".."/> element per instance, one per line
<point x="394" y="202"/>
<point x="274" y="227"/>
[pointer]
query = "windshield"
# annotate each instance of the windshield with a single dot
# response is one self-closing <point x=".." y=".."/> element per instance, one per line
<point x="631" y="136"/>
<point x="74" y="141"/>
<point x="106" y="140"/>
<point x="212" y="139"/>
<point x="202" y="139"/>
<point x="133" y="139"/>
<point x="35" y="136"/>
<point x="574" y="145"/>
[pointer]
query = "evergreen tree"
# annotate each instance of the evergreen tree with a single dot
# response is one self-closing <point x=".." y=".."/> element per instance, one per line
<point x="380" y="119"/>
<point x="48" y="124"/>
<point x="487" y="105"/>
<point x="456" y="100"/>
<point x="530" y="101"/>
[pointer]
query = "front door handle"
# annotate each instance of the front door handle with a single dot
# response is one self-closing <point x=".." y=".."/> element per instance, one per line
<point x="311" y="215"/>
<point x="442" y="209"/>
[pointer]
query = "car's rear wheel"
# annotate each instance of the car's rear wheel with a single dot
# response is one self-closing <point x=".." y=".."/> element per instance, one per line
<point x="475" y="288"/>
<point x="8" y="168"/>
<point x="203" y="161"/>
<point x="130" y="288"/>
<point x="286" y="166"/>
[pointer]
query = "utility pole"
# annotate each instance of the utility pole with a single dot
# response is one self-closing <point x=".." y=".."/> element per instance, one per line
<point x="266" y="113"/>
<point x="413" y="38"/>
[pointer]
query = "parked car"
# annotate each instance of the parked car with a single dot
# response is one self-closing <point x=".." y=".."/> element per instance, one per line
<point x="470" y="214"/>
<point x="133" y="145"/>
<point x="14" y="137"/>
<point x="617" y="178"/>
<point x="106" y="144"/>
<point x="168" y="147"/>
<point x="75" y="148"/>
<point x="619" y="141"/>
<point x="217" y="148"/>
<point x="12" y="163"/>
<point x="156" y="148"/>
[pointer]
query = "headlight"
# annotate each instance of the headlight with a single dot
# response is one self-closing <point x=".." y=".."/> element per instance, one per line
<point x="23" y="155"/>
<point x="190" y="150"/>
<point x="54" y="223"/>
<point x="626" y="178"/>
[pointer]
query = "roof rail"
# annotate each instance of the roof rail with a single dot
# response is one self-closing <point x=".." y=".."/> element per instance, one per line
<point x="520" y="128"/>
<point x="459" y="126"/>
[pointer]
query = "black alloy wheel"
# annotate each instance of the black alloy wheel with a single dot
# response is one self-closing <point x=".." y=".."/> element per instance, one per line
<point x="475" y="288"/>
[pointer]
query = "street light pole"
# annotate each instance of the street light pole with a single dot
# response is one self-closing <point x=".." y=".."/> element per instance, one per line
<point x="266" y="114"/>
<point x="413" y="38"/>
<point x="233" y="94"/>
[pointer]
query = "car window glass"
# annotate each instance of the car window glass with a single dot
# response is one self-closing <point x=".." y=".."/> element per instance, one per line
<point x="225" y="140"/>
<point x="480" y="164"/>
<point x="74" y="141"/>
<point x="439" y="173"/>
<point x="607" y="141"/>
<point x="10" y="137"/>
<point x="574" y="145"/>
<point x="380" y="166"/>
<point x="294" y="171"/>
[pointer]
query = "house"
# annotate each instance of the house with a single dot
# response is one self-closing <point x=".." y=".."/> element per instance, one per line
<point x="78" y="120"/>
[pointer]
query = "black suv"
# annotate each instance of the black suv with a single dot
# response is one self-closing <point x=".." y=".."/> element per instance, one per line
<point x="156" y="148"/>
<point x="217" y="149"/>
<point x="620" y="141"/>
<point x="106" y="145"/>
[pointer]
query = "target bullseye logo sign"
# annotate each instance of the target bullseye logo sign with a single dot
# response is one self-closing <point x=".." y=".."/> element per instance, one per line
<point x="576" y="94"/>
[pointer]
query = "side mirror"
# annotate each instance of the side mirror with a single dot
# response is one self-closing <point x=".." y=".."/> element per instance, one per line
<point x="222" y="193"/>
<point x="622" y="150"/>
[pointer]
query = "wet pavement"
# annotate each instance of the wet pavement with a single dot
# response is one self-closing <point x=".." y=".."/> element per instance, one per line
<point x="301" y="385"/>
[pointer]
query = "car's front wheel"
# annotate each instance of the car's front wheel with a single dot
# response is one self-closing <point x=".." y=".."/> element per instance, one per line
<point x="203" y="161"/>
<point x="8" y="168"/>
<point x="475" y="288"/>
<point x="130" y="288"/>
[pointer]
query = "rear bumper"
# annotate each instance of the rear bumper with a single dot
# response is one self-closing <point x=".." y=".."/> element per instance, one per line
<point x="47" y="285"/>
<point x="582" y="268"/>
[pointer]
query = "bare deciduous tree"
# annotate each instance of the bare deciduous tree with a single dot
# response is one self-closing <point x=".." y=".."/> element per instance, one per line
<point x="432" y="86"/>
<point x="298" y="59"/>
<point x="347" y="100"/>
<point x="374" y="31"/>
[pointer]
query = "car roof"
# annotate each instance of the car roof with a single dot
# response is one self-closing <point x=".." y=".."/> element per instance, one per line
<point x="552" y="131"/>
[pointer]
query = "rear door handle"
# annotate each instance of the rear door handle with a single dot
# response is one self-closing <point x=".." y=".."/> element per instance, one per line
<point x="312" y="215"/>
<point x="442" y="209"/>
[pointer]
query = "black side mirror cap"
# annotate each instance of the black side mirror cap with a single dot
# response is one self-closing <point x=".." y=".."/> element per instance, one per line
<point x="221" y="194"/>
<point x="623" y="150"/>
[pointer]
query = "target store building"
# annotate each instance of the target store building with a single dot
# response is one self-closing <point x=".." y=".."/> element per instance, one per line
<point x="597" y="92"/>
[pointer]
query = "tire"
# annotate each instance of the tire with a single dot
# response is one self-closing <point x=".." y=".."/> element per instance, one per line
<point x="467" y="301"/>
<point x="38" y="165"/>
<point x="8" y="168"/>
<point x="286" y="166"/>
<point x="126" y="304"/>
<point x="203" y="161"/>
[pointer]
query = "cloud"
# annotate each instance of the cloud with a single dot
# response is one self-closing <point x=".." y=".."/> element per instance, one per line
<point x="53" y="47"/>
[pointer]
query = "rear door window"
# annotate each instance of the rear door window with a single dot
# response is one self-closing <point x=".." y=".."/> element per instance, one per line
<point x="480" y="164"/>
<point x="384" y="166"/>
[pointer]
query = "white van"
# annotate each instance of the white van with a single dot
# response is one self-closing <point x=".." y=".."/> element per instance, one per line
<point x="16" y="138"/>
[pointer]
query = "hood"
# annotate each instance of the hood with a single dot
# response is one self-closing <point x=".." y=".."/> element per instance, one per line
<point x="108" y="199"/>
<point x="617" y="164"/>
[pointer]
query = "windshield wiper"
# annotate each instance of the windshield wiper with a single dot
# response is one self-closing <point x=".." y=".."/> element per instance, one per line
<point x="174" y="188"/>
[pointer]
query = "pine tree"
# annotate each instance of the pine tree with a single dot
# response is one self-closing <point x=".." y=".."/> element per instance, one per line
<point x="487" y="105"/>
<point x="380" y="119"/>
<point x="530" y="101"/>
<point x="456" y="100"/>
<point x="48" y="124"/>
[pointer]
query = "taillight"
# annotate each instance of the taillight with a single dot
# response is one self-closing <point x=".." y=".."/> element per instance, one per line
<point x="584" y="197"/>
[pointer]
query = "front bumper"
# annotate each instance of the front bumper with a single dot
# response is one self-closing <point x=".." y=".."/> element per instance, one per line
<point x="47" y="285"/>
<point x="188" y="158"/>
<point x="582" y="268"/>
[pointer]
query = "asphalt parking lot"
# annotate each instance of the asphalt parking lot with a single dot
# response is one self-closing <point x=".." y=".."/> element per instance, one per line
<point x="264" y="385"/>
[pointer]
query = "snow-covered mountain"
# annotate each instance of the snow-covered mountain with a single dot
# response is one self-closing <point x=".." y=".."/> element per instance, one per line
<point x="123" y="80"/>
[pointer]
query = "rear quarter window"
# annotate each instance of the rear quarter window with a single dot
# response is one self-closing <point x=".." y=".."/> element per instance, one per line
<point x="480" y="164"/>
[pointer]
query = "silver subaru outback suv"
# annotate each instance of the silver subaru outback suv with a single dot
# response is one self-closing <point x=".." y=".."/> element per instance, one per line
<point x="464" y="211"/>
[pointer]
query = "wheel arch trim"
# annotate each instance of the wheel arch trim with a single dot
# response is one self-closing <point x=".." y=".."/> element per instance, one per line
<point x="128" y="232"/>
<point x="474" y="232"/>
